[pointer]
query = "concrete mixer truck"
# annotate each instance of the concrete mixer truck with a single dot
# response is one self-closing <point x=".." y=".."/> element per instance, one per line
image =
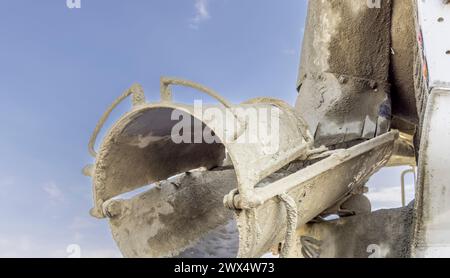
<point x="247" y="179"/>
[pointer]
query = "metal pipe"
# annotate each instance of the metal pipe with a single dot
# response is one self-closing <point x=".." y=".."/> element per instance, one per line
<point x="404" y="173"/>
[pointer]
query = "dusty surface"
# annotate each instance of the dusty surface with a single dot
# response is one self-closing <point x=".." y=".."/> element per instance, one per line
<point x="344" y="93"/>
<point x="314" y="189"/>
<point x="139" y="151"/>
<point x="382" y="234"/>
<point x="222" y="242"/>
<point x="403" y="34"/>
<point x="186" y="213"/>
<point x="344" y="96"/>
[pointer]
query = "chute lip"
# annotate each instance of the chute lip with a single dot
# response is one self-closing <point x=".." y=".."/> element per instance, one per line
<point x="117" y="128"/>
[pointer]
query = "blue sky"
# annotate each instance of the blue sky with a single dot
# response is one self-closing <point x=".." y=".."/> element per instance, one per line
<point x="60" y="68"/>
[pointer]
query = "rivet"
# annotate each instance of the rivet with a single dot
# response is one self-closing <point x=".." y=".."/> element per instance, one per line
<point x="343" y="79"/>
<point x="373" y="84"/>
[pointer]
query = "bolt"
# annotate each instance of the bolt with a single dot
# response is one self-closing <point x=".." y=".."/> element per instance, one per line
<point x="158" y="185"/>
<point x="343" y="79"/>
<point x="113" y="208"/>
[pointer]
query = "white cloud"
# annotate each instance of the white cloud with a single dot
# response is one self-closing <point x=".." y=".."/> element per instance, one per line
<point x="27" y="246"/>
<point x="385" y="188"/>
<point x="15" y="246"/>
<point x="201" y="13"/>
<point x="390" y="197"/>
<point x="54" y="192"/>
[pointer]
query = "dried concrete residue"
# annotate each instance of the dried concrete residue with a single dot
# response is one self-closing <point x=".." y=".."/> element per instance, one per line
<point x="384" y="234"/>
<point x="404" y="47"/>
<point x="342" y="96"/>
<point x="179" y="215"/>
<point x="128" y="160"/>
<point x="222" y="242"/>
<point x="185" y="217"/>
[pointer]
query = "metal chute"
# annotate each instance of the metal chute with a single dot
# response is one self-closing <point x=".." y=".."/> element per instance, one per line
<point x="249" y="195"/>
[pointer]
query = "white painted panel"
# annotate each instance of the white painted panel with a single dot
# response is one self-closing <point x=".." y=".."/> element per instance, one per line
<point x="434" y="19"/>
<point x="434" y="179"/>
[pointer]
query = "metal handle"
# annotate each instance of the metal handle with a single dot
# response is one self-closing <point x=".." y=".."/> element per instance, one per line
<point x="166" y="96"/>
<point x="138" y="99"/>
